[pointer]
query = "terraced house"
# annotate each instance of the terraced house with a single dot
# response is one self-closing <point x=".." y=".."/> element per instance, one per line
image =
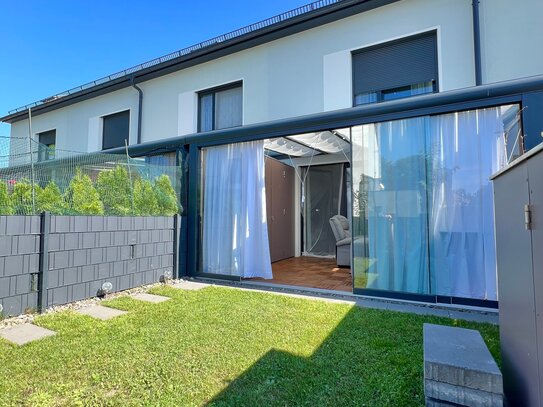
<point x="345" y="145"/>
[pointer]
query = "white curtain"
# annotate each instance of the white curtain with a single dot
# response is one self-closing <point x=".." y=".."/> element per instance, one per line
<point x="466" y="148"/>
<point x="235" y="232"/>
<point x="397" y="216"/>
<point x="430" y="215"/>
<point x="228" y="108"/>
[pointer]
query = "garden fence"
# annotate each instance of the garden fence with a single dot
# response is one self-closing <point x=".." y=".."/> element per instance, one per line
<point x="35" y="178"/>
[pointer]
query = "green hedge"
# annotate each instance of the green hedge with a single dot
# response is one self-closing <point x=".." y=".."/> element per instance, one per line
<point x="111" y="194"/>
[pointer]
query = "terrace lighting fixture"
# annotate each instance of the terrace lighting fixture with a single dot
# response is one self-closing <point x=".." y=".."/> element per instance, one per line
<point x="106" y="288"/>
<point x="168" y="275"/>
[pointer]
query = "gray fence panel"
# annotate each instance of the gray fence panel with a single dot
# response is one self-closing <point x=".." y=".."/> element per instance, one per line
<point x="83" y="252"/>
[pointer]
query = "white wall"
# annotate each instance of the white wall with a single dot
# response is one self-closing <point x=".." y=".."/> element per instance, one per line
<point x="512" y="39"/>
<point x="310" y="72"/>
<point x="79" y="126"/>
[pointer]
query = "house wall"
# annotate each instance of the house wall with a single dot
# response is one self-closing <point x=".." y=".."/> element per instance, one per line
<point x="79" y="126"/>
<point x="301" y="74"/>
<point x="511" y="35"/>
<point x="310" y="72"/>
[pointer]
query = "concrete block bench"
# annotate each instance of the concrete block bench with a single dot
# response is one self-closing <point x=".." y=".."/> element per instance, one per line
<point x="459" y="369"/>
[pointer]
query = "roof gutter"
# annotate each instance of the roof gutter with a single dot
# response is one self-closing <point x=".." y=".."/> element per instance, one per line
<point x="477" y="42"/>
<point x="140" y="105"/>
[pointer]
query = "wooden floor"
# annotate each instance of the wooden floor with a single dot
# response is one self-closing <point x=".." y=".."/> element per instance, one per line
<point x="314" y="272"/>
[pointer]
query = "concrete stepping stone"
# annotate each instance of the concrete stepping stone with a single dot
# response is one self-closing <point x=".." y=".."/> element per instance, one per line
<point x="155" y="299"/>
<point x="25" y="333"/>
<point x="101" y="312"/>
<point x="189" y="285"/>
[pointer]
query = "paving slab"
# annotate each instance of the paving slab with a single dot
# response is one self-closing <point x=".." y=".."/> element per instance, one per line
<point x="155" y="299"/>
<point x="101" y="312"/>
<point x="25" y="333"/>
<point x="189" y="285"/>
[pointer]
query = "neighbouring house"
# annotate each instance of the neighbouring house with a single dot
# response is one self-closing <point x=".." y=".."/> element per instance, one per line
<point x="345" y="145"/>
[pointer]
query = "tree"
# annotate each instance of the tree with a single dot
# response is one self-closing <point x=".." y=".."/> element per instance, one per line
<point x="21" y="197"/>
<point x="82" y="197"/>
<point x="6" y="206"/>
<point x="115" y="191"/>
<point x="165" y="196"/>
<point x="49" y="199"/>
<point x="145" y="201"/>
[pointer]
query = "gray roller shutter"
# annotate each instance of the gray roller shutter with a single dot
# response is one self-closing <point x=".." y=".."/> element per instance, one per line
<point x="116" y="130"/>
<point x="396" y="64"/>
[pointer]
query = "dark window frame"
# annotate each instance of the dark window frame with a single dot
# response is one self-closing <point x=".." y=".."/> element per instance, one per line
<point x="122" y="112"/>
<point x="212" y="92"/>
<point x="408" y="38"/>
<point x="44" y="155"/>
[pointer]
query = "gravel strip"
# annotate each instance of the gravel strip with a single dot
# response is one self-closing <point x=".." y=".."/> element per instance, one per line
<point x="28" y="318"/>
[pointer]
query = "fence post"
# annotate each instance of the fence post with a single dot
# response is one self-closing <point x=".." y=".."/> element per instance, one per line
<point x="45" y="225"/>
<point x="176" y="243"/>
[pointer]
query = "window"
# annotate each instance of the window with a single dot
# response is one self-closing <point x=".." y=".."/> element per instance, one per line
<point x="220" y="108"/>
<point x="47" y="140"/>
<point x="115" y="130"/>
<point x="396" y="69"/>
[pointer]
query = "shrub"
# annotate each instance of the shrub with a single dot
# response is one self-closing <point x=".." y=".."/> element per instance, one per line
<point x="21" y="197"/>
<point x="115" y="192"/>
<point x="82" y="197"/>
<point x="49" y="199"/>
<point x="6" y="206"/>
<point x="145" y="202"/>
<point x="165" y="196"/>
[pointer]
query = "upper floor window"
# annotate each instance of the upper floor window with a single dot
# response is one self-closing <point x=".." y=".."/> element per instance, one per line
<point x="396" y="69"/>
<point x="115" y="130"/>
<point x="220" y="108"/>
<point x="47" y="140"/>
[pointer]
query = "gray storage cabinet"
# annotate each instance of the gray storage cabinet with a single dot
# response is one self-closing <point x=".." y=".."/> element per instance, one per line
<point x="518" y="202"/>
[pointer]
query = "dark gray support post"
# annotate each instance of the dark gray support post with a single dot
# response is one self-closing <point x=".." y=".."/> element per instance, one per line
<point x="45" y="226"/>
<point x="176" y="245"/>
<point x="192" y="210"/>
<point x="477" y="43"/>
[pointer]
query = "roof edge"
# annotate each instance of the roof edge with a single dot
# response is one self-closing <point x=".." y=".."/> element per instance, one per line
<point x="320" y="16"/>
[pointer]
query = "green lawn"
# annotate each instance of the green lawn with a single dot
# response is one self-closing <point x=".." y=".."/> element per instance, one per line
<point x="224" y="347"/>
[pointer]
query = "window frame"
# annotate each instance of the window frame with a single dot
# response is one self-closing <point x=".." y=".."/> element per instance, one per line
<point x="213" y="92"/>
<point x="45" y="155"/>
<point x="103" y="127"/>
<point x="407" y="38"/>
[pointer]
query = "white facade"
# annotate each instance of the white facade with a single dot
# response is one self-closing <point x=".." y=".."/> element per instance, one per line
<point x="310" y="72"/>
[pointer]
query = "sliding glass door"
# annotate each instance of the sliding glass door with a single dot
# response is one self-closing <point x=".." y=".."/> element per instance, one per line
<point x="423" y="209"/>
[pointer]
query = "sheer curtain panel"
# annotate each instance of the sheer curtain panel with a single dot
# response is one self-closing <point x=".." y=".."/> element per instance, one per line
<point x="234" y="229"/>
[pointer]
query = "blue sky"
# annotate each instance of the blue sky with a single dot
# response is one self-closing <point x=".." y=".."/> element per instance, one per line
<point x="54" y="45"/>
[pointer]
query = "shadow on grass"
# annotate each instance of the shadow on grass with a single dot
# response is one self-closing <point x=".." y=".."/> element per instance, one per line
<point x="356" y="364"/>
<point x="372" y="358"/>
